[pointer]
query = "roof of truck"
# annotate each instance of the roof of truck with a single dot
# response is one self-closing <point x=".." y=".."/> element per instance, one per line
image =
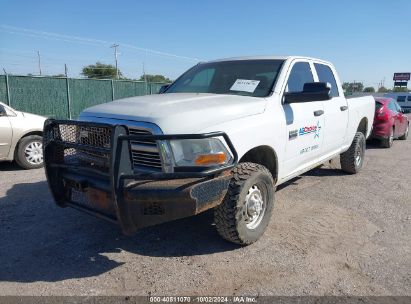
<point x="267" y="57"/>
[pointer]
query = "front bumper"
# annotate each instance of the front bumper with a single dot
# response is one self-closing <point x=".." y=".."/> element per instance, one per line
<point x="89" y="167"/>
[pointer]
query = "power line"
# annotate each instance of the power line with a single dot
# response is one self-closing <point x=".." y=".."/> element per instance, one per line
<point x="83" y="40"/>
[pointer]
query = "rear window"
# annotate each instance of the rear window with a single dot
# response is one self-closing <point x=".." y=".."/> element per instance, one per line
<point x="401" y="98"/>
<point x="378" y="105"/>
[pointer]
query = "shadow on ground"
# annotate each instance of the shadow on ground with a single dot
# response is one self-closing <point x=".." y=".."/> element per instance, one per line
<point x="374" y="144"/>
<point x="42" y="242"/>
<point x="9" y="166"/>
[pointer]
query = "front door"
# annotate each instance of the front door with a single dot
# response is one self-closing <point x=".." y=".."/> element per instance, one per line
<point x="5" y="134"/>
<point x="305" y="123"/>
<point x="402" y="120"/>
<point x="396" y="116"/>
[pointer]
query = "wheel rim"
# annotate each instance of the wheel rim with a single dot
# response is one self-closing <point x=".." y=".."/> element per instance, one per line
<point x="34" y="153"/>
<point x="359" y="155"/>
<point x="254" y="207"/>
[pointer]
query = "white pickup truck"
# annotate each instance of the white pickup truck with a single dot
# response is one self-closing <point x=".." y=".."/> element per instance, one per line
<point x="222" y="136"/>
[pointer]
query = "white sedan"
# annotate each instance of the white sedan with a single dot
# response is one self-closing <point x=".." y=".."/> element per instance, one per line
<point x="21" y="137"/>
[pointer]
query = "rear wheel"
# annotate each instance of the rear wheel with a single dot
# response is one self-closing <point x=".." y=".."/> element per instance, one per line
<point x="387" y="142"/>
<point x="353" y="159"/>
<point x="29" y="153"/>
<point x="246" y="210"/>
<point x="404" y="137"/>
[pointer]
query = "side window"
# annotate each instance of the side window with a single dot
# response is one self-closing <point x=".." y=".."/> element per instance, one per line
<point x="409" y="98"/>
<point x="2" y="111"/>
<point x="401" y="98"/>
<point x="325" y="74"/>
<point x="397" y="106"/>
<point x="299" y="75"/>
<point x="391" y="106"/>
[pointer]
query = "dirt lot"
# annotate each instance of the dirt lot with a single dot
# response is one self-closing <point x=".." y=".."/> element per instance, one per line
<point x="331" y="234"/>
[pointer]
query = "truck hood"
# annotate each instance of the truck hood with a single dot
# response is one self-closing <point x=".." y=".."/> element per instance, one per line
<point x="179" y="112"/>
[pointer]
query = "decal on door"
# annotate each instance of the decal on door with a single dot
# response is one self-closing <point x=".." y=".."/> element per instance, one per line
<point x="311" y="129"/>
<point x="293" y="134"/>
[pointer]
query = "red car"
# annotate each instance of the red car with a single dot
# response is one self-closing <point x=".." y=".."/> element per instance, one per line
<point x="389" y="121"/>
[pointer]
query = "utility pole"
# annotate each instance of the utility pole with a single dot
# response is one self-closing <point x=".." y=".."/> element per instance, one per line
<point x="38" y="55"/>
<point x="7" y="87"/>
<point x="115" y="46"/>
<point x="144" y="70"/>
<point x="145" y="77"/>
<point x="65" y="69"/>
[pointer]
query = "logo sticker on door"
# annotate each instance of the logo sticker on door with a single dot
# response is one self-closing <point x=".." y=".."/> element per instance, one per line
<point x="311" y="129"/>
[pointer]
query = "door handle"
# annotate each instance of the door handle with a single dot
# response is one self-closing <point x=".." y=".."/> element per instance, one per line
<point x="343" y="108"/>
<point x="318" y="113"/>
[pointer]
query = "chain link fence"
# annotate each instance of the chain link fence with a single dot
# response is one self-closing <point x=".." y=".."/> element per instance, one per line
<point x="61" y="97"/>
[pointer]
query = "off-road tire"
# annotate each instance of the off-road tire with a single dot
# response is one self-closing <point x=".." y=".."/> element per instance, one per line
<point x="20" y="156"/>
<point x="404" y="137"/>
<point x="388" y="142"/>
<point x="348" y="159"/>
<point x="229" y="216"/>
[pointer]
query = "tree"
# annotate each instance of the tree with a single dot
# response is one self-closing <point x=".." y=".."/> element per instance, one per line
<point x="353" y="86"/>
<point x="154" y="78"/>
<point x="369" y="90"/>
<point x="100" y="71"/>
<point x="382" y="90"/>
<point x="400" y="89"/>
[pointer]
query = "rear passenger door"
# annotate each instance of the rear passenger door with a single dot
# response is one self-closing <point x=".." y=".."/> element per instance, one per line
<point x="335" y="111"/>
<point x="305" y="122"/>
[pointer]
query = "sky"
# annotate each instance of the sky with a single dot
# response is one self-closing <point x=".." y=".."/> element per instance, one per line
<point x="366" y="40"/>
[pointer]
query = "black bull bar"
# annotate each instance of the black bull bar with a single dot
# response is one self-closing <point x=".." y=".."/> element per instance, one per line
<point x="89" y="167"/>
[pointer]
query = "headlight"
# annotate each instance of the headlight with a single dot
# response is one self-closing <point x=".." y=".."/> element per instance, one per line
<point x="199" y="152"/>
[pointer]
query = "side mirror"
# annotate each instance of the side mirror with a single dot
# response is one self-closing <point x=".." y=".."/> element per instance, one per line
<point x="163" y="88"/>
<point x="312" y="91"/>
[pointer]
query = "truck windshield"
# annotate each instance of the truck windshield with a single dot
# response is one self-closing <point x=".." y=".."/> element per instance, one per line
<point x="238" y="77"/>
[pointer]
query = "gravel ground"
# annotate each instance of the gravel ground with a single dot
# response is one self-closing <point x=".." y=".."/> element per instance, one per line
<point x="331" y="234"/>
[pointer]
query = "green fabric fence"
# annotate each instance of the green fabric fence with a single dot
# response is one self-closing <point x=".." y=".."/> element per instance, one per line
<point x="61" y="97"/>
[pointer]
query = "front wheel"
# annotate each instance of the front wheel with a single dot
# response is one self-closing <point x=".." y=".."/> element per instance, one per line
<point x="353" y="159"/>
<point x="29" y="154"/>
<point x="246" y="209"/>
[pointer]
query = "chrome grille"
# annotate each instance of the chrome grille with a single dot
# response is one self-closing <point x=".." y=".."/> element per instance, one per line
<point x="145" y="153"/>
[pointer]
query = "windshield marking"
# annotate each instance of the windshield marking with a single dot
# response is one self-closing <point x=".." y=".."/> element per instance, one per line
<point x="245" y="85"/>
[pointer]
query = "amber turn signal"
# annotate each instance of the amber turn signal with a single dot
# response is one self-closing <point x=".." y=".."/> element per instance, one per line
<point x="210" y="159"/>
